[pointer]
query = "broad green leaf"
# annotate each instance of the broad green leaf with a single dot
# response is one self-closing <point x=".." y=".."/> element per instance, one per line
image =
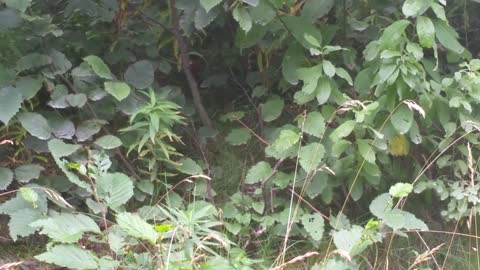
<point x="28" y="172"/>
<point x="108" y="142"/>
<point x="263" y="13"/>
<point x="439" y="11"/>
<point x="146" y="186"/>
<point x="35" y="124"/>
<point x="292" y="61"/>
<point x="392" y="33"/>
<point x="447" y="36"/>
<point x="189" y="167"/>
<point x="413" y="223"/>
<point x="241" y="15"/>
<point x="65" y="227"/>
<point x="286" y="139"/>
<point x="310" y="156"/>
<point x="314" y="124"/>
<point x="314" y="225"/>
<point x="363" y="80"/>
<point x="310" y="77"/>
<point x="412" y="8"/>
<point x="381" y="205"/>
<point x="315" y="9"/>
<point x="99" y="67"/>
<point x="347" y="240"/>
<point x="328" y="68"/>
<point x="425" y="31"/>
<point x="300" y="27"/>
<point x="18" y="203"/>
<point x="6" y="178"/>
<point x="238" y="136"/>
<point x="402" y="119"/>
<point x="272" y="109"/>
<point x="366" y="150"/>
<point x="209" y="4"/>
<point x="135" y="226"/>
<point x="140" y="74"/>
<point x="343" y="130"/>
<point x="20" y="5"/>
<point x="10" y="103"/>
<point x="119" y="90"/>
<point x="28" y="86"/>
<point x="342" y="73"/>
<point x="9" y="19"/>
<point x="19" y="223"/>
<point x="323" y="90"/>
<point x="32" y="60"/>
<point x="115" y="189"/>
<point x="394" y="219"/>
<point x="69" y="256"/>
<point x="258" y="172"/>
<point x="76" y="100"/>
<point x="88" y="128"/>
<point x="400" y="190"/>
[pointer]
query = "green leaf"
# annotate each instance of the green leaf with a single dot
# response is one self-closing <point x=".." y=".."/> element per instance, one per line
<point x="381" y="205"/>
<point x="88" y="128"/>
<point x="412" y="8"/>
<point x="115" y="189"/>
<point x="413" y="223"/>
<point x="292" y="61"/>
<point x="108" y="142"/>
<point x="343" y="130"/>
<point x="69" y="256"/>
<point x="35" y="124"/>
<point x="32" y="60"/>
<point x="400" y="190"/>
<point x="323" y="90"/>
<point x="314" y="124"/>
<point x="347" y="240"/>
<point x="135" y="226"/>
<point x="425" y="31"/>
<point x="189" y="167"/>
<point x="140" y="74"/>
<point x="300" y="27"/>
<point x="10" y="103"/>
<point x="65" y="227"/>
<point x="241" y="15"/>
<point x="6" y="178"/>
<point x="258" y="172"/>
<point x="366" y="150"/>
<point x="402" y="119"/>
<point x="28" y="86"/>
<point x="30" y="195"/>
<point x="310" y="156"/>
<point x="314" y="225"/>
<point x="328" y="68"/>
<point x="238" y="136"/>
<point x="9" y="19"/>
<point x="439" y="11"/>
<point x="315" y="9"/>
<point x="272" y="109"/>
<point x="286" y="139"/>
<point x="99" y="67"/>
<point x="20" y="5"/>
<point x="392" y="33"/>
<point x="28" y="172"/>
<point x="209" y="4"/>
<point x="19" y="223"/>
<point x="342" y="73"/>
<point x="447" y="36"/>
<point x="119" y="90"/>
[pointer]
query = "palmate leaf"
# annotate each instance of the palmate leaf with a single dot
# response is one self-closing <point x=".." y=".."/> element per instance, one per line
<point x="115" y="189"/>
<point x="70" y="256"/>
<point x="135" y="226"/>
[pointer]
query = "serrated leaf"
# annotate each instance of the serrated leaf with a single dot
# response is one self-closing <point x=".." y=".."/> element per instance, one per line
<point x="381" y="205"/>
<point x="402" y="119"/>
<point x="70" y="256"/>
<point x="115" y="189"/>
<point x="314" y="225"/>
<point x="425" y="31"/>
<point x="19" y="223"/>
<point x="314" y="124"/>
<point x="108" y="142"/>
<point x="28" y="172"/>
<point x="238" y="136"/>
<point x="65" y="227"/>
<point x="400" y="190"/>
<point x="136" y="227"/>
<point x="6" y="178"/>
<point x="10" y="103"/>
<point x="140" y="74"/>
<point x="119" y="90"/>
<point x="189" y="166"/>
<point x="209" y="4"/>
<point x="310" y="156"/>
<point x="35" y="124"/>
<point x="272" y="109"/>
<point x="348" y="240"/>
<point x="286" y="139"/>
<point x="258" y="172"/>
<point x="99" y="67"/>
<point x="343" y="130"/>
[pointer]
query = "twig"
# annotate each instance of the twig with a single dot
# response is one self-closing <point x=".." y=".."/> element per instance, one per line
<point x="251" y="131"/>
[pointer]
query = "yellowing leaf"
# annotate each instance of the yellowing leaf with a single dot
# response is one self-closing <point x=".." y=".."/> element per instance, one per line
<point x="399" y="146"/>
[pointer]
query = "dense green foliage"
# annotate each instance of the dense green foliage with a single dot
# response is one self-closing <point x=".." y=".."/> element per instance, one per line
<point x="237" y="134"/>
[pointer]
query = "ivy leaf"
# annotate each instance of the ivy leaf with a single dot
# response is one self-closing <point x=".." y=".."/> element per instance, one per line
<point x="69" y="256"/>
<point x="310" y="156"/>
<point x="115" y="189"/>
<point x="65" y="227"/>
<point x="209" y="4"/>
<point x="99" y="67"/>
<point x="400" y="190"/>
<point x="10" y="103"/>
<point x="447" y="36"/>
<point x="140" y="74"/>
<point x="343" y="130"/>
<point x="119" y="90"/>
<point x="314" y="225"/>
<point x="135" y="226"/>
<point x="108" y="142"/>
<point x="402" y="119"/>
<point x="328" y="68"/>
<point x="28" y="172"/>
<point x="6" y="178"/>
<point x="258" y="172"/>
<point x="314" y="124"/>
<point x="19" y="223"/>
<point x="366" y="150"/>
<point x="425" y="31"/>
<point x="272" y="109"/>
<point x="238" y="136"/>
<point x="412" y="8"/>
<point x="36" y="125"/>
<point x="189" y="167"/>
<point x="241" y="15"/>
